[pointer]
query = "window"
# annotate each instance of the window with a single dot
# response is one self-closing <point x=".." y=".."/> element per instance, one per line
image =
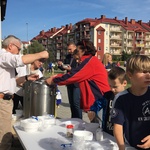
<point x="106" y="48"/>
<point x="99" y="40"/>
<point x="99" y="56"/>
<point x="106" y="41"/>
<point x="99" y="32"/>
<point x="99" y="48"/>
<point x="106" y="32"/>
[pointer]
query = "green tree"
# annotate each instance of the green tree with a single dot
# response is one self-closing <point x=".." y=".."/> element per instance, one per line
<point x="35" y="47"/>
<point x="125" y="55"/>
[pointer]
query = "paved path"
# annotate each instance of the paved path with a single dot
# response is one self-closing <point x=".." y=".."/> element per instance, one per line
<point x="64" y="110"/>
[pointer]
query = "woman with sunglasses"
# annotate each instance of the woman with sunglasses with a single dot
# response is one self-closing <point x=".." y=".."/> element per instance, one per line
<point x="91" y="76"/>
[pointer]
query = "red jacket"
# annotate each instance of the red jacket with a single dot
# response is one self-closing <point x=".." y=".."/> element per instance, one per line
<point x="91" y="76"/>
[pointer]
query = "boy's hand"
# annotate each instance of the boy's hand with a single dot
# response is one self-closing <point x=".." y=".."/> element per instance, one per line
<point x="146" y="142"/>
<point x="91" y="115"/>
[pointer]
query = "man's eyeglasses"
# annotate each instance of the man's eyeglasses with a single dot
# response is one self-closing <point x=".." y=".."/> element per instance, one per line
<point x="17" y="46"/>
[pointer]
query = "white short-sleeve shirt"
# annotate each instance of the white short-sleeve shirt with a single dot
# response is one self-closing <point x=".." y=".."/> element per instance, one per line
<point x="8" y="63"/>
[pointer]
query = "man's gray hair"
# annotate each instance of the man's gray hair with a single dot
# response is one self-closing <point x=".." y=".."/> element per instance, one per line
<point x="10" y="39"/>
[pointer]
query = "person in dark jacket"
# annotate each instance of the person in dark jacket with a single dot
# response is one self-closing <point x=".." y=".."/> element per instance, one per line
<point x="72" y="89"/>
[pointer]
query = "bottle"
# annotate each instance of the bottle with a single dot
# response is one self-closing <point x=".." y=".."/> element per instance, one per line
<point x="99" y="134"/>
<point x="70" y="129"/>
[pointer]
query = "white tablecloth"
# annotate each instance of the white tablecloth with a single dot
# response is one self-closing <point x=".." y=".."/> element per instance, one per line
<point x="52" y="138"/>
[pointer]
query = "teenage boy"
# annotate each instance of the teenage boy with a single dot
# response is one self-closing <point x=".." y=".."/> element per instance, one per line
<point x="131" y="112"/>
<point x="117" y="81"/>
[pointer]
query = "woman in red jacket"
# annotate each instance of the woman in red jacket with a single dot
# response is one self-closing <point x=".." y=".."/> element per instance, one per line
<point x="91" y="76"/>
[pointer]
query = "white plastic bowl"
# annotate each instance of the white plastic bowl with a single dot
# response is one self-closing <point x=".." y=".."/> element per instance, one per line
<point x="29" y="125"/>
<point x="80" y="136"/>
<point x="46" y="121"/>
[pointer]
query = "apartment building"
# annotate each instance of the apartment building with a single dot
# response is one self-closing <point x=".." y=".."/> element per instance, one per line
<point x="55" y="40"/>
<point x="109" y="35"/>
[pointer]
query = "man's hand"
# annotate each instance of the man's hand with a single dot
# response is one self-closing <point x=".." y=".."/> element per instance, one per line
<point x="44" y="54"/>
<point x="91" y="115"/>
<point x="33" y="77"/>
<point x="146" y="143"/>
<point x="60" y="63"/>
<point x="67" y="67"/>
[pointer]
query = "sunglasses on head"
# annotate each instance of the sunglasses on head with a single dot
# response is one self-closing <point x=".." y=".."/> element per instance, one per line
<point x="42" y="60"/>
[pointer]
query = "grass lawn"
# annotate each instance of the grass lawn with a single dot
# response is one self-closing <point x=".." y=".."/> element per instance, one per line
<point x="47" y="74"/>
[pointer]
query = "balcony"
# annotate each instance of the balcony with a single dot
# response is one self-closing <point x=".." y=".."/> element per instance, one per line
<point x="115" y="38"/>
<point x="59" y="47"/>
<point x="87" y="28"/>
<point x="130" y="37"/>
<point x="87" y="36"/>
<point x="139" y="45"/>
<point x="147" y="52"/>
<point x="140" y="37"/>
<point x="129" y="51"/>
<point x="147" y="46"/>
<point x="59" y="41"/>
<point x="115" y="45"/>
<point x="147" y="38"/>
<point x="116" y="52"/>
<point x="44" y="42"/>
<point x="115" y="30"/>
<point x="129" y="45"/>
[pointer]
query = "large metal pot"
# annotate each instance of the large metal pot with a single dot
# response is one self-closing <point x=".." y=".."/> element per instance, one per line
<point x="42" y="99"/>
<point x="26" y="99"/>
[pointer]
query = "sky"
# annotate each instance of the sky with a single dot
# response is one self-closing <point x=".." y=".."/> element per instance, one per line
<point x="26" y="18"/>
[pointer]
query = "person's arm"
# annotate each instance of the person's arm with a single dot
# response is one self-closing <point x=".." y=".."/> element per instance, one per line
<point x="21" y="80"/>
<point x="118" y="134"/>
<point x="91" y="115"/>
<point x="146" y="143"/>
<point x="76" y="75"/>
<point x="30" y="58"/>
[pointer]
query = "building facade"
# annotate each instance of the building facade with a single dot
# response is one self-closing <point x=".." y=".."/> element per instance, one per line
<point x="109" y="35"/>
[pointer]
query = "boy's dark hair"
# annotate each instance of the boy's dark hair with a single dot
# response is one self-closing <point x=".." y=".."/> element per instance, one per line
<point x="117" y="72"/>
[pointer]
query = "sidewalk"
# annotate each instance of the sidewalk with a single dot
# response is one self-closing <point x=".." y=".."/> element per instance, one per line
<point x="64" y="110"/>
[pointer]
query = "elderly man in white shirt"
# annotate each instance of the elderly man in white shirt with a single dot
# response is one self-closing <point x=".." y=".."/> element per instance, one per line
<point x="9" y="60"/>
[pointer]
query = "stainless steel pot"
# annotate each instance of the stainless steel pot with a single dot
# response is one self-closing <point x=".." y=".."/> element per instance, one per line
<point x="41" y="100"/>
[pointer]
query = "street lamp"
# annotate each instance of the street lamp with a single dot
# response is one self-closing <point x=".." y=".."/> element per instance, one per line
<point x="27" y="31"/>
<point x="27" y="38"/>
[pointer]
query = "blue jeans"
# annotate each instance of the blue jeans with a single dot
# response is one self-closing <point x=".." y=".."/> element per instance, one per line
<point x="74" y="100"/>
